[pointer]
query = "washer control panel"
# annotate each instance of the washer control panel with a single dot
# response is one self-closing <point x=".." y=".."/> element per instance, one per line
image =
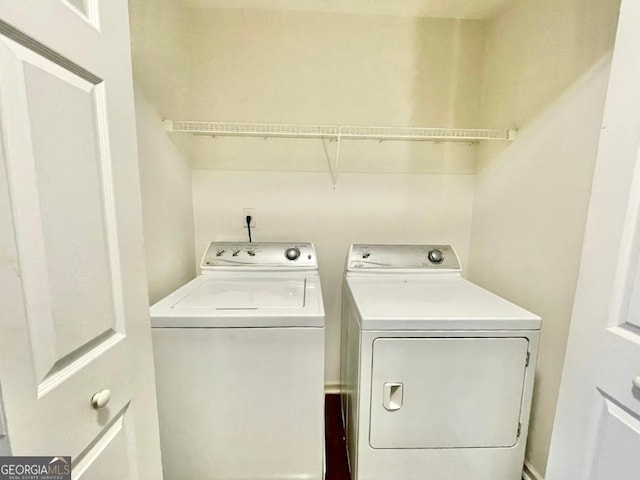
<point x="259" y="255"/>
<point x="364" y="257"/>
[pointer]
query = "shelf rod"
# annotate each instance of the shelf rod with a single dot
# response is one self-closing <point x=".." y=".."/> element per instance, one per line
<point x="274" y="130"/>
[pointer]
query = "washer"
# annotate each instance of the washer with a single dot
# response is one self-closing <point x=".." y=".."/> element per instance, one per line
<point x="436" y="372"/>
<point x="239" y="360"/>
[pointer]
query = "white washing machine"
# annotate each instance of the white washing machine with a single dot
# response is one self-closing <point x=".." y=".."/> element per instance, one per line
<point x="239" y="361"/>
<point x="436" y="372"/>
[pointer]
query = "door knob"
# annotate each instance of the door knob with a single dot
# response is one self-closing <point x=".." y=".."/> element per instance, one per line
<point x="100" y="399"/>
<point x="636" y="382"/>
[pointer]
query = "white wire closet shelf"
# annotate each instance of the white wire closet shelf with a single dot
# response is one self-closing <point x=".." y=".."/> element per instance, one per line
<point x="337" y="133"/>
<point x="275" y="130"/>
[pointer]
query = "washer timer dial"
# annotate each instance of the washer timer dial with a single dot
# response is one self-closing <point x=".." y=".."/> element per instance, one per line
<point x="292" y="253"/>
<point x="435" y="256"/>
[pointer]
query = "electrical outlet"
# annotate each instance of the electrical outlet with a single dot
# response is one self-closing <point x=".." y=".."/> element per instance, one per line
<point x="249" y="211"/>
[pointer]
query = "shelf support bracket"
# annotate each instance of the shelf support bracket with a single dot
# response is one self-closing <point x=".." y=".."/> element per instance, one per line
<point x="333" y="164"/>
<point x="335" y="168"/>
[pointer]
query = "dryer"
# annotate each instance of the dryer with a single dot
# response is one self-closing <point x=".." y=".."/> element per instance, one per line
<point x="436" y="372"/>
<point x="239" y="361"/>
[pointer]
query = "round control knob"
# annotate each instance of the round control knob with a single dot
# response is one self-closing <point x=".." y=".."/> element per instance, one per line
<point x="435" y="256"/>
<point x="292" y="253"/>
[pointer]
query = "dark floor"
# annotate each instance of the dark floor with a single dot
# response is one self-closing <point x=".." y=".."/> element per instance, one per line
<point x="337" y="464"/>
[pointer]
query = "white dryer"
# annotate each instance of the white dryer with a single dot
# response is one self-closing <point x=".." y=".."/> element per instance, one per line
<point x="239" y="361"/>
<point x="437" y="373"/>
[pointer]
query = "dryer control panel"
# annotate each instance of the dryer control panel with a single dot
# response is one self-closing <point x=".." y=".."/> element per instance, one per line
<point x="417" y="258"/>
<point x="259" y="255"/>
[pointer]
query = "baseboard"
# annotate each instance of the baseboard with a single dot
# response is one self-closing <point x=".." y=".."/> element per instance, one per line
<point x="530" y="473"/>
<point x="332" y="388"/>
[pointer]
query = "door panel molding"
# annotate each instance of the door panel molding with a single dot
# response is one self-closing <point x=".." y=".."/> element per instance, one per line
<point x="90" y="11"/>
<point x="54" y="359"/>
<point x="74" y="362"/>
<point x="41" y="49"/>
<point x="85" y="460"/>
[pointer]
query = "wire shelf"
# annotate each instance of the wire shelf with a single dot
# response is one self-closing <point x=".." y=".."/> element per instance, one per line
<point x="274" y="130"/>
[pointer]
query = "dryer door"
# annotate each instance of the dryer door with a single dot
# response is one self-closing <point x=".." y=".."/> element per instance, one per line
<point x="446" y="392"/>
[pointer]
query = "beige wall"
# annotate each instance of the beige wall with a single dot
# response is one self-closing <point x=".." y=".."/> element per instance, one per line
<point x="296" y="67"/>
<point x="167" y="210"/>
<point x="546" y="72"/>
<point x="364" y="208"/>
<point x="161" y="71"/>
<point x="160" y="53"/>
<point x="322" y="68"/>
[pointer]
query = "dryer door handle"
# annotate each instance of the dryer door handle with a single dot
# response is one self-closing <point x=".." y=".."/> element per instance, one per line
<point x="392" y="393"/>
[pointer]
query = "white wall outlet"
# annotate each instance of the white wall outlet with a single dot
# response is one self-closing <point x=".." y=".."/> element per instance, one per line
<point x="249" y="211"/>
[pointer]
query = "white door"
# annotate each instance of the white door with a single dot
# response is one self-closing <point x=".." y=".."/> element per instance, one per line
<point x="73" y="300"/>
<point x="597" y="428"/>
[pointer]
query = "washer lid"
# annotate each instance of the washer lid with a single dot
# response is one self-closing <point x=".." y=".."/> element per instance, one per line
<point x="245" y="294"/>
<point x="230" y="300"/>
<point x="412" y="302"/>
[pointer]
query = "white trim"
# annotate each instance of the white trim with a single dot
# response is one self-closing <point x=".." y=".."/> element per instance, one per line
<point x="332" y="388"/>
<point x="530" y="473"/>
